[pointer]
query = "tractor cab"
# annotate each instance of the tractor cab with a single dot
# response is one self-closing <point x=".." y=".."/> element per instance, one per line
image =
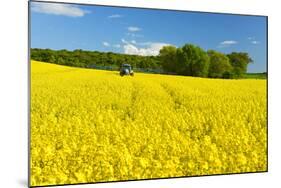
<point x="126" y="69"/>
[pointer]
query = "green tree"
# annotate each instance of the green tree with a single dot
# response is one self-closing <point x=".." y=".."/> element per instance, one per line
<point x="239" y="62"/>
<point x="219" y="65"/>
<point x="168" y="58"/>
<point x="60" y="61"/>
<point x="52" y="59"/>
<point x="193" y="61"/>
<point x="188" y="60"/>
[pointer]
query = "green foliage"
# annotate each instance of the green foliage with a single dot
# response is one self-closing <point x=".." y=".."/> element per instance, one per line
<point x="227" y="75"/>
<point x="81" y="58"/>
<point x="168" y="57"/>
<point x="239" y="62"/>
<point x="196" y="61"/>
<point x="220" y="66"/>
<point x="255" y="75"/>
<point x="189" y="60"/>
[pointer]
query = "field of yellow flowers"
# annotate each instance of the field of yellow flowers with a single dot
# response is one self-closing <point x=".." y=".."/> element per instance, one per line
<point x="94" y="126"/>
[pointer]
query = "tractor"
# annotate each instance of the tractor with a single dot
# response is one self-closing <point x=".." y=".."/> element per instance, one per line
<point x="126" y="69"/>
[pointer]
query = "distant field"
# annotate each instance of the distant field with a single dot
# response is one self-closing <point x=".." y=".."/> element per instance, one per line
<point x="92" y="125"/>
<point x="256" y="75"/>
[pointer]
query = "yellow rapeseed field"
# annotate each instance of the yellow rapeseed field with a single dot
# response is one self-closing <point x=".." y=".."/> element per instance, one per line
<point x="94" y="126"/>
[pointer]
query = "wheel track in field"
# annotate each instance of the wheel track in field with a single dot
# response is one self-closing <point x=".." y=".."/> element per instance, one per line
<point x="134" y="93"/>
<point x="172" y="94"/>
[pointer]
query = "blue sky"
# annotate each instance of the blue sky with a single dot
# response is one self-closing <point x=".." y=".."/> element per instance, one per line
<point x="145" y="31"/>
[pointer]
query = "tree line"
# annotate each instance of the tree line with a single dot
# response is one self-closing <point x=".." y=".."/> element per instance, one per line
<point x="89" y="59"/>
<point x="188" y="60"/>
<point x="191" y="60"/>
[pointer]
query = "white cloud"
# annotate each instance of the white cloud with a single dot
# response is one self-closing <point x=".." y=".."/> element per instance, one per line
<point x="106" y="44"/>
<point x="115" y="16"/>
<point x="58" y="9"/>
<point x="152" y="50"/>
<point x="133" y="29"/>
<point x="131" y="49"/>
<point x="228" y="42"/>
<point x="124" y="41"/>
<point x="255" y="42"/>
<point x="136" y="43"/>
